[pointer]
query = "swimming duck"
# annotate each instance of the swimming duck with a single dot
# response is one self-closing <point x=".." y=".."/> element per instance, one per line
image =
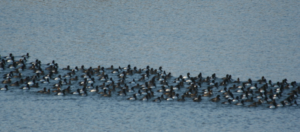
<point x="4" y="88"/>
<point x="95" y="90"/>
<point x="61" y="93"/>
<point x="15" y="84"/>
<point x="157" y="99"/>
<point x="224" y="90"/>
<point x="253" y="104"/>
<point x="27" y="87"/>
<point x="77" y="92"/>
<point x="236" y="99"/>
<point x="240" y="103"/>
<point x="107" y="95"/>
<point x="169" y="98"/>
<point x="132" y="98"/>
<point x="7" y="81"/>
<point x="207" y="94"/>
<point x="273" y="105"/>
<point x="145" y="98"/>
<point x="67" y="68"/>
<point x="161" y="90"/>
<point x="36" y="85"/>
<point x="197" y="99"/>
<point x="182" y="99"/>
<point x="249" y="100"/>
<point x="43" y="91"/>
<point x="84" y="93"/>
<point x="295" y="103"/>
<point x="216" y="99"/>
<point x="227" y="102"/>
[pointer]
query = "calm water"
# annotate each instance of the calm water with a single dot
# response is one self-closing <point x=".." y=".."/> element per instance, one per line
<point x="244" y="39"/>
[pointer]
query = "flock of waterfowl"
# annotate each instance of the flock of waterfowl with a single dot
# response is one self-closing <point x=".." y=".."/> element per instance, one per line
<point x="146" y="84"/>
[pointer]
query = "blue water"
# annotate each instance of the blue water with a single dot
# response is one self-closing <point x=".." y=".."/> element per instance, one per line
<point x="245" y="39"/>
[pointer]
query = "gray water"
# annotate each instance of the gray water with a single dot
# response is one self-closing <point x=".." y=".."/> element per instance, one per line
<point x="245" y="39"/>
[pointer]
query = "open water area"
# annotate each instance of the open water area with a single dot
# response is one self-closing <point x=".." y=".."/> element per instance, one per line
<point x="244" y="39"/>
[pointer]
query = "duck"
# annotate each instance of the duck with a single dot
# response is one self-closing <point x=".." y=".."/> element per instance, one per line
<point x="67" y="68"/>
<point x="295" y="103"/>
<point x="5" y="88"/>
<point x="168" y="89"/>
<point x="249" y="100"/>
<point x="216" y="99"/>
<point x="122" y="93"/>
<point x="240" y="90"/>
<point x="107" y="95"/>
<point x="182" y="99"/>
<point x="233" y="87"/>
<point x="161" y="90"/>
<point x="169" y="98"/>
<point x="281" y="104"/>
<point x="30" y="83"/>
<point x="36" y="85"/>
<point x="132" y="98"/>
<point x="162" y="97"/>
<point x="194" y="94"/>
<point x="15" y="84"/>
<point x="77" y="92"/>
<point x="259" y="96"/>
<point x="157" y="99"/>
<point x="61" y="93"/>
<point x="293" y="93"/>
<point x="253" y="104"/>
<point x="130" y="90"/>
<point x="236" y="99"/>
<point x="27" y="87"/>
<point x="240" y="103"/>
<point x="18" y="76"/>
<point x="237" y="81"/>
<point x="8" y="81"/>
<point x="227" y="102"/>
<point x="145" y="98"/>
<point x="45" y="80"/>
<point x="58" y="78"/>
<point x="57" y="90"/>
<point x="82" y="83"/>
<point x="91" y="86"/>
<point x="273" y="105"/>
<point x="176" y="96"/>
<point x="75" y="78"/>
<point x="197" y="99"/>
<point x="110" y="68"/>
<point x="95" y="90"/>
<point x="254" y="87"/>
<point x="43" y="91"/>
<point x="262" y="80"/>
<point x="138" y="93"/>
<point x="84" y="93"/>
<point x="223" y="90"/>
<point x="208" y="94"/>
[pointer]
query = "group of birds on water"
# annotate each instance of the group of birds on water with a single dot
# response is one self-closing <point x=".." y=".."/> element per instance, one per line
<point x="145" y="84"/>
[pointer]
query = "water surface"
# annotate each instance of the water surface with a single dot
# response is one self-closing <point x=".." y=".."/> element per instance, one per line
<point x="244" y="39"/>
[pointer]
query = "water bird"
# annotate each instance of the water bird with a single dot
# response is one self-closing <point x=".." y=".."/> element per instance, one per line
<point x="61" y="93"/>
<point x="227" y="102"/>
<point x="5" y="88"/>
<point x="132" y="98"/>
<point x="182" y="99"/>
<point x="216" y="99"/>
<point x="197" y="99"/>
<point x="27" y="87"/>
<point x="107" y="95"/>
<point x="157" y="99"/>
